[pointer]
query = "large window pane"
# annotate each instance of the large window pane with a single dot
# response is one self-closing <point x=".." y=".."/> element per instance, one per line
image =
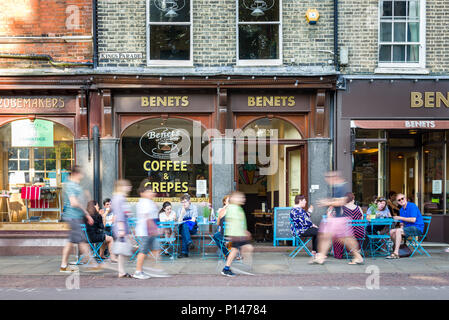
<point x="385" y="53"/>
<point x="413" y="53"/>
<point x="169" y="10"/>
<point x="258" y="41"/>
<point x="365" y="172"/>
<point x="433" y="178"/>
<point x="258" y="10"/>
<point x="385" y="31"/>
<point x="169" y="42"/>
<point x="413" y="9"/>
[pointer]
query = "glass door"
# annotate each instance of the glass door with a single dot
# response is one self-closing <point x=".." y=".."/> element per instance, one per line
<point x="294" y="174"/>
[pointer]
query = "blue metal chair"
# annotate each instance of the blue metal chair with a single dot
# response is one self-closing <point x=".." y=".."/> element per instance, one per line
<point x="416" y="242"/>
<point x="300" y="244"/>
<point x="168" y="245"/>
<point x="95" y="247"/>
<point x="356" y="224"/>
<point x="379" y="244"/>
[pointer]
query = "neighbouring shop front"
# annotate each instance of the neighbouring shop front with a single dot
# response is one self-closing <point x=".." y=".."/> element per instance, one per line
<point x="392" y="137"/>
<point x="37" y="151"/>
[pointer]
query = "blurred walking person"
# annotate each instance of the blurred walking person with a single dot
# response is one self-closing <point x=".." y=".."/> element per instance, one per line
<point x="336" y="225"/>
<point x="74" y="214"/>
<point x="120" y="228"/>
<point x="146" y="229"/>
<point x="236" y="232"/>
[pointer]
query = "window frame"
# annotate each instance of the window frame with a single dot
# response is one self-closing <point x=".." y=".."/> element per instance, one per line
<point x="168" y="63"/>
<point x="259" y="62"/>
<point x="421" y="64"/>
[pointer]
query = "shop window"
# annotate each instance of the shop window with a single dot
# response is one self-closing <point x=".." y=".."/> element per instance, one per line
<point x="401" y="33"/>
<point x="162" y="153"/>
<point x="169" y="32"/>
<point x="27" y="162"/>
<point x="433" y="155"/>
<point x="259" y="32"/>
<point x="267" y="128"/>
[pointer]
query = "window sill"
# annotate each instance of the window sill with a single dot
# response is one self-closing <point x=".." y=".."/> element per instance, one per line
<point x="172" y="63"/>
<point x="398" y="70"/>
<point x="259" y="63"/>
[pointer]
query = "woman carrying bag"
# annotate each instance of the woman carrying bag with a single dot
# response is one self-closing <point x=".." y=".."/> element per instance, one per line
<point x="122" y="246"/>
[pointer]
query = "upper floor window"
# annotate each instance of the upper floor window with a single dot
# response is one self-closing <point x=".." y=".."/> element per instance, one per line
<point x="402" y="33"/>
<point x="169" y="36"/>
<point x="259" y="32"/>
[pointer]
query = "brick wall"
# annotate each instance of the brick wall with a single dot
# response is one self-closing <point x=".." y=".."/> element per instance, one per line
<point x="358" y="30"/>
<point x="47" y="21"/>
<point x="122" y="30"/>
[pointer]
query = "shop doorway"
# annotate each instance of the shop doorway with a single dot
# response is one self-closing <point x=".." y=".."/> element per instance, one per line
<point x="287" y="169"/>
<point x="403" y="176"/>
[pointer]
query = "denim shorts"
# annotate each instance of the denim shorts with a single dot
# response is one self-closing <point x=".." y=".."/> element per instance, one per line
<point x="77" y="235"/>
<point x="412" y="231"/>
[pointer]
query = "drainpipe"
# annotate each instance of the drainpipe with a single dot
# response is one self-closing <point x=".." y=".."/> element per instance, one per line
<point x="94" y="34"/>
<point x="96" y="146"/>
<point x="336" y="62"/>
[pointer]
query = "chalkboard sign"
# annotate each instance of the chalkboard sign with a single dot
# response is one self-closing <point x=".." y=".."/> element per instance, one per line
<point x="282" y="230"/>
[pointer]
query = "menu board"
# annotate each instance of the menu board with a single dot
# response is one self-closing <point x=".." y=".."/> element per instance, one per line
<point x="282" y="230"/>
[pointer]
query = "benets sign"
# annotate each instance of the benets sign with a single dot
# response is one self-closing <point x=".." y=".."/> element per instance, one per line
<point x="429" y="99"/>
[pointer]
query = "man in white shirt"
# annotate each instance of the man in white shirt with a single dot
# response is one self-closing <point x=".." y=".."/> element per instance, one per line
<point x="146" y="229"/>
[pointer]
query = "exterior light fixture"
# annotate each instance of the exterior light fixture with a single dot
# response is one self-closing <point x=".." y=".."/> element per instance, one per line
<point x="170" y="7"/>
<point x="258" y="7"/>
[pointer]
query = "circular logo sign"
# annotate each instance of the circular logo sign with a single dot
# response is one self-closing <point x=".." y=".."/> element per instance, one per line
<point x="165" y="143"/>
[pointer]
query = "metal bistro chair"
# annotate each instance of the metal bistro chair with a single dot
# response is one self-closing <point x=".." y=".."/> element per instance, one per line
<point x="300" y="244"/>
<point x="357" y="224"/>
<point x="416" y="242"/>
<point x="94" y="246"/>
<point x="168" y="245"/>
<point x="379" y="244"/>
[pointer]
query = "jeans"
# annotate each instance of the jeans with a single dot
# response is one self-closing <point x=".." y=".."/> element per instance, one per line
<point x="312" y="232"/>
<point x="218" y="238"/>
<point x="185" y="236"/>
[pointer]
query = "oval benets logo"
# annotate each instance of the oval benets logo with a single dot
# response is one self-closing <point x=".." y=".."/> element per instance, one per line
<point x="165" y="143"/>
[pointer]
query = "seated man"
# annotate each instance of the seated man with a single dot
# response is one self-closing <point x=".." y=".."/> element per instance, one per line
<point x="412" y="224"/>
<point x="187" y="215"/>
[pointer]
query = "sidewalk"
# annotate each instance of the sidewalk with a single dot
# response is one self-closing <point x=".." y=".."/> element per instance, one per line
<point x="264" y="263"/>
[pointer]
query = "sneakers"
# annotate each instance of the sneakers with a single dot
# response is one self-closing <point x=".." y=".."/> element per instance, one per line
<point x="141" y="275"/>
<point x="68" y="269"/>
<point x="228" y="273"/>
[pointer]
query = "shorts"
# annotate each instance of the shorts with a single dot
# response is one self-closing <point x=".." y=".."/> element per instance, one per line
<point x="412" y="231"/>
<point x="338" y="227"/>
<point x="149" y="244"/>
<point x="108" y="231"/>
<point x="238" y="242"/>
<point x="77" y="235"/>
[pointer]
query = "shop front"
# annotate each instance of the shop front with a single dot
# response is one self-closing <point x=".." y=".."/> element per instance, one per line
<point x="279" y="147"/>
<point x="392" y="137"/>
<point x="164" y="143"/>
<point x="37" y="151"/>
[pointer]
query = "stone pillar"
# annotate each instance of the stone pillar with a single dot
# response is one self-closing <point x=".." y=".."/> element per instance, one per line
<point x="82" y="159"/>
<point x="222" y="170"/>
<point x="319" y="162"/>
<point x="109" y="166"/>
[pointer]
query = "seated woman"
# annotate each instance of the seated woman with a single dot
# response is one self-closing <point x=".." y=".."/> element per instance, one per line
<point x="166" y="214"/>
<point x="353" y="212"/>
<point x="95" y="232"/>
<point x="301" y="224"/>
<point x="381" y="212"/>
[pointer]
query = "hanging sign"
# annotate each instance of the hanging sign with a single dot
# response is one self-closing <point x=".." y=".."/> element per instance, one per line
<point x="27" y="133"/>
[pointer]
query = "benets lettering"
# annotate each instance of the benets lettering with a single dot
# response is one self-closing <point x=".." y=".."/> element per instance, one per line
<point x="429" y="99"/>
<point x="271" y="101"/>
<point x="420" y="124"/>
<point x="165" y="101"/>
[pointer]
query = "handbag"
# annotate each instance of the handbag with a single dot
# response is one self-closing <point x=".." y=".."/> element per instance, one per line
<point x="122" y="247"/>
<point x="404" y="251"/>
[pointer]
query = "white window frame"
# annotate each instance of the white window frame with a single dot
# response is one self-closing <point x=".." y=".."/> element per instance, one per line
<point x="258" y="62"/>
<point x="169" y="63"/>
<point x="385" y="66"/>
